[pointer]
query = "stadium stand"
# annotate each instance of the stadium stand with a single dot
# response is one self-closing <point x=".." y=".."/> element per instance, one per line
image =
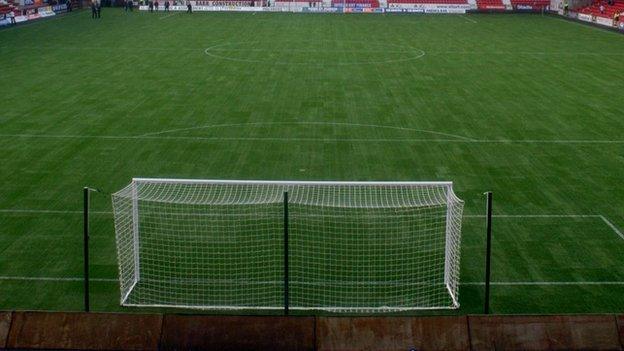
<point x="609" y="10"/>
<point x="401" y="2"/>
<point x="490" y="5"/>
<point x="530" y="4"/>
<point x="4" y="9"/>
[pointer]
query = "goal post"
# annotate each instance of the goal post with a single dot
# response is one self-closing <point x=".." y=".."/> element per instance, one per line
<point x="298" y="245"/>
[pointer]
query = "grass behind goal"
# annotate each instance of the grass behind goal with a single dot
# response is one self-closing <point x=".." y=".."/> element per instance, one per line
<point x="525" y="106"/>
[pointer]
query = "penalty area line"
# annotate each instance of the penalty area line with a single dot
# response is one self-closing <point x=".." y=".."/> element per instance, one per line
<point x="535" y="216"/>
<point x="316" y="140"/>
<point x="468" y="18"/>
<point x="612" y="226"/>
<point x="604" y="219"/>
<point x="169" y="15"/>
<point x="502" y="283"/>
<point x="55" y="279"/>
<point x="546" y="283"/>
<point x="18" y="210"/>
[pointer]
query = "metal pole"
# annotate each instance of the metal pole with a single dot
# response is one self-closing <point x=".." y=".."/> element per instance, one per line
<point x="286" y="302"/>
<point x="488" y="253"/>
<point x="86" y="247"/>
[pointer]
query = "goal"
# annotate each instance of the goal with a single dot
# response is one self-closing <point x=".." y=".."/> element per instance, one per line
<point x="335" y="246"/>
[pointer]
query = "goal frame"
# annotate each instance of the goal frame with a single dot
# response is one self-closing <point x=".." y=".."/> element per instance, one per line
<point x="136" y="239"/>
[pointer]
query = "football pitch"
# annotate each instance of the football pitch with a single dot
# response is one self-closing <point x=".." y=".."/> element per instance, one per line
<point x="526" y="106"/>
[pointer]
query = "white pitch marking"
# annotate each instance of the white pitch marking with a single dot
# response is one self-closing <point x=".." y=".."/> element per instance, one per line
<point x="210" y="52"/>
<point x="536" y="216"/>
<point x="603" y="218"/>
<point x="379" y="126"/>
<point x="55" y="279"/>
<point x="313" y="51"/>
<point x="518" y="283"/>
<point x="169" y="15"/>
<point x="615" y="229"/>
<point x="276" y="139"/>
<point x="20" y="210"/>
<point x="542" y="53"/>
<point x="467" y="18"/>
<point x="546" y="283"/>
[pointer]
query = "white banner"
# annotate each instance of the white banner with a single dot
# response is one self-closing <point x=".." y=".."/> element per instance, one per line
<point x="416" y="8"/>
<point x="404" y="10"/>
<point x="584" y="17"/>
<point x="604" y="21"/>
<point x="431" y="6"/>
<point x="211" y="8"/>
<point x="443" y="10"/>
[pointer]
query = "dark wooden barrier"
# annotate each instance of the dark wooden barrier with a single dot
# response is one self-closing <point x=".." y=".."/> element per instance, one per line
<point x="569" y="332"/>
<point x="392" y="333"/>
<point x="237" y="333"/>
<point x="84" y="331"/>
<point x="114" y="331"/>
<point x="5" y="323"/>
<point x="620" y="324"/>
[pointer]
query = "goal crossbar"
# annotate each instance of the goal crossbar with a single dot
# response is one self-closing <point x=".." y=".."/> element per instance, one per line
<point x="289" y="182"/>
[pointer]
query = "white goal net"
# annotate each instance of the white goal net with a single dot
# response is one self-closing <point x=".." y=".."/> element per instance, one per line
<point x="336" y="246"/>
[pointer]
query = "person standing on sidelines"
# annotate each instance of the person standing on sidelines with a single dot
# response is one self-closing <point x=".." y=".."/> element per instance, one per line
<point x="12" y="16"/>
<point x="189" y="7"/>
<point x="166" y="5"/>
<point x="93" y="9"/>
<point x="99" y="8"/>
<point x="156" y="5"/>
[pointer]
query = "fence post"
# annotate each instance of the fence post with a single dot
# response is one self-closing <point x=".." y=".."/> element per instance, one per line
<point x="286" y="297"/>
<point x="488" y="253"/>
<point x="85" y="241"/>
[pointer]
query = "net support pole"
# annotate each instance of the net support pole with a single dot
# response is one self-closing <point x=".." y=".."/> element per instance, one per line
<point x="286" y="302"/>
<point x="488" y="252"/>
<point x="85" y="242"/>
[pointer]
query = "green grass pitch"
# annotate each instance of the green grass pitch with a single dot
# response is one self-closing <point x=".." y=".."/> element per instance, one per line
<point x="527" y="106"/>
